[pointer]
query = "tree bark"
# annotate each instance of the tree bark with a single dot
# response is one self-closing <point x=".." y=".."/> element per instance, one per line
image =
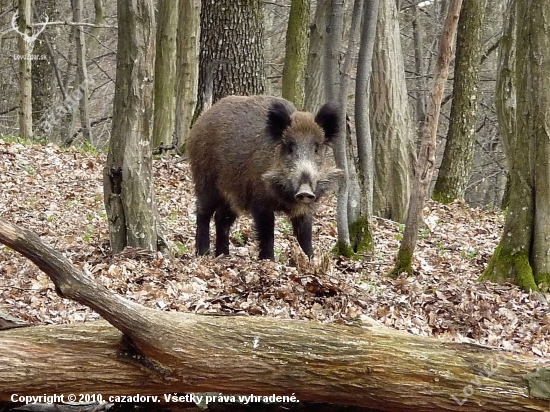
<point x="127" y="177"/>
<point x="314" y="87"/>
<point x="366" y="366"/>
<point x="43" y="74"/>
<point x="456" y="164"/>
<point x="25" y="77"/>
<point x="81" y="80"/>
<point x="165" y="72"/>
<point x="419" y="68"/>
<point x="296" y="52"/>
<point x="187" y="66"/>
<point x="391" y="124"/>
<point x="506" y="89"/>
<point x="361" y="231"/>
<point x="333" y="88"/>
<point x="426" y="156"/>
<point x="522" y="255"/>
<point x="231" y="58"/>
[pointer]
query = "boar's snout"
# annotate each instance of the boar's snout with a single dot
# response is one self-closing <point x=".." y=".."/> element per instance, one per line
<point x="305" y="194"/>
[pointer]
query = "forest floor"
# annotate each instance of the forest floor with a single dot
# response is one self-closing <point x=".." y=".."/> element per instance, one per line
<point x="58" y="194"/>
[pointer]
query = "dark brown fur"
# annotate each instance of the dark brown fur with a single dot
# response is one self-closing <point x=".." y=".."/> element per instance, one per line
<point x="259" y="155"/>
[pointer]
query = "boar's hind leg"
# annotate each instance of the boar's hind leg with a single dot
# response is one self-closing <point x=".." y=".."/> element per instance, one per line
<point x="205" y="210"/>
<point x="302" y="226"/>
<point x="264" y="220"/>
<point x="224" y="218"/>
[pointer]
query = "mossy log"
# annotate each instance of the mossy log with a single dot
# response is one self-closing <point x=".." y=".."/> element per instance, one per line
<point x="156" y="352"/>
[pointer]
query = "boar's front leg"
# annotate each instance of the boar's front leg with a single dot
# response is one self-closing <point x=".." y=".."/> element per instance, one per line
<point x="302" y="226"/>
<point x="205" y="210"/>
<point x="224" y="218"/>
<point x="264" y="220"/>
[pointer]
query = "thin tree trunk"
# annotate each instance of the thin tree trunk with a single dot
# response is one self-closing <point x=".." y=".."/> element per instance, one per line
<point x="426" y="156"/>
<point x="44" y="97"/>
<point x="127" y="178"/>
<point x="354" y="192"/>
<point x="420" y="71"/>
<point x="187" y="66"/>
<point x="333" y="92"/>
<point x="361" y="230"/>
<point x="82" y="72"/>
<point x="165" y="72"/>
<point x="25" y="77"/>
<point x="296" y="52"/>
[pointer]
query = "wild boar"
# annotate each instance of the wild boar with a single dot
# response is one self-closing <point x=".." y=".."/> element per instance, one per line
<point x="259" y="155"/>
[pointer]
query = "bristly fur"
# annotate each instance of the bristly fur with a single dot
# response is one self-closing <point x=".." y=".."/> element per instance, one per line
<point x="260" y="155"/>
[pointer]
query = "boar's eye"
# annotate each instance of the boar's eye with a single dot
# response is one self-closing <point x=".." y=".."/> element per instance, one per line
<point x="289" y="147"/>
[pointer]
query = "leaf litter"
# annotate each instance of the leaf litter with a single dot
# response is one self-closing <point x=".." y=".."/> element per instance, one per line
<point x="58" y="194"/>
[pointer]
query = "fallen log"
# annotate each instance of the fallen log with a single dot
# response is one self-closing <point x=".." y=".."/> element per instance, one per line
<point x="164" y="352"/>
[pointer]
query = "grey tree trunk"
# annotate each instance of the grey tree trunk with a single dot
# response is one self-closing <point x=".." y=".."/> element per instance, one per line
<point x="25" y="77"/>
<point x="187" y="66"/>
<point x="231" y="61"/>
<point x="456" y="165"/>
<point x="354" y="190"/>
<point x="44" y="97"/>
<point x="127" y="178"/>
<point x="314" y="88"/>
<point x="296" y="52"/>
<point x="361" y="230"/>
<point x="506" y="89"/>
<point x="165" y="72"/>
<point x="81" y="80"/>
<point x="419" y="67"/>
<point x="522" y="255"/>
<point x="426" y="157"/>
<point x="391" y="124"/>
<point x="332" y="80"/>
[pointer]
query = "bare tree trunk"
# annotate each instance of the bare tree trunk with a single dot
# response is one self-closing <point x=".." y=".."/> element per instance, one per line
<point x="506" y="89"/>
<point x="354" y="193"/>
<point x="314" y="87"/>
<point x="333" y="89"/>
<point x="456" y="164"/>
<point x="44" y="97"/>
<point x="361" y="230"/>
<point x="127" y="177"/>
<point x="420" y="71"/>
<point x="82" y="72"/>
<point x="296" y="52"/>
<point x="165" y="72"/>
<point x="391" y="124"/>
<point x="231" y="61"/>
<point x="522" y="255"/>
<point x="25" y="77"/>
<point x="165" y="352"/>
<point x="426" y="156"/>
<point x="187" y="66"/>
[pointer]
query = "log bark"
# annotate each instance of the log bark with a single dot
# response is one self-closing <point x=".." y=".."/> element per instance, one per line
<point x="165" y="352"/>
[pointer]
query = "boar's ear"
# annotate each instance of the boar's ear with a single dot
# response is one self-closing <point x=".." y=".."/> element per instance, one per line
<point x="328" y="117"/>
<point x="278" y="119"/>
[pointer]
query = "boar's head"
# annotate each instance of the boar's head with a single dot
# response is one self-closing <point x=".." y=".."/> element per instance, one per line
<point x="300" y="173"/>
